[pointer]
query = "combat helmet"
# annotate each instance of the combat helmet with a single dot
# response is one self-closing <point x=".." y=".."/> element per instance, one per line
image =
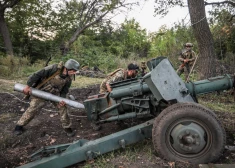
<point x="72" y="64"/>
<point x="188" y="45"/>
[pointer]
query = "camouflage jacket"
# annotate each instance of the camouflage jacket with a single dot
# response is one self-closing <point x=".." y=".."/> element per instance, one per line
<point x="190" y="55"/>
<point x="58" y="85"/>
<point x="117" y="75"/>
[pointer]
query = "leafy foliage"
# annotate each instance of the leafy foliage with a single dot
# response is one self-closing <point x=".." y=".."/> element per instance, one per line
<point x="169" y="42"/>
<point x="40" y="28"/>
<point x="133" y="39"/>
<point x="162" y="7"/>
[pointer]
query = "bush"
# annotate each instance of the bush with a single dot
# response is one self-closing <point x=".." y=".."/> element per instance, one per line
<point x="15" y="67"/>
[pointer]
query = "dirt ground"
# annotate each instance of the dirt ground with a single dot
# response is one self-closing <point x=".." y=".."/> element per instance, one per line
<point x="45" y="130"/>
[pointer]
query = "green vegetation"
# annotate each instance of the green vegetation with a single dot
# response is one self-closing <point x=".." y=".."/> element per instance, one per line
<point x="222" y="101"/>
<point x="103" y="45"/>
<point x="137" y="153"/>
<point x="72" y="29"/>
<point x="82" y="82"/>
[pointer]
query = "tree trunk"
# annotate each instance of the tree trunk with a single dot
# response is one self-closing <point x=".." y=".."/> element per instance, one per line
<point x="65" y="47"/>
<point x="6" y="35"/>
<point x="207" y="56"/>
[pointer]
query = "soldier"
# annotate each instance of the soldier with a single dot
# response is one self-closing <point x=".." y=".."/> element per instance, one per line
<point x="143" y="68"/>
<point x="187" y="58"/>
<point x="55" y="79"/>
<point x="118" y="75"/>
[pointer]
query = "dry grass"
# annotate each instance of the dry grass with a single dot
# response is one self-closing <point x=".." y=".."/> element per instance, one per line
<point x="6" y="116"/>
<point x="8" y="85"/>
<point x="12" y="66"/>
<point x="80" y="82"/>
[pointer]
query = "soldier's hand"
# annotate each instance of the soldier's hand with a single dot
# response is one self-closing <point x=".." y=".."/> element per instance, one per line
<point x="108" y="87"/>
<point x="186" y="60"/>
<point x="61" y="104"/>
<point x="27" y="90"/>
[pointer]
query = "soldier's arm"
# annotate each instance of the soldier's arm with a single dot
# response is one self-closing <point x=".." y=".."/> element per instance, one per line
<point x="180" y="58"/>
<point x="65" y="89"/>
<point x="111" y="80"/>
<point x="36" y="77"/>
<point x="114" y="79"/>
<point x="108" y="87"/>
<point x="119" y="76"/>
<point x="193" y="57"/>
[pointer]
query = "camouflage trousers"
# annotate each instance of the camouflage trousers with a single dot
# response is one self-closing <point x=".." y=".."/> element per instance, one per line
<point x="186" y="70"/>
<point x="35" y="106"/>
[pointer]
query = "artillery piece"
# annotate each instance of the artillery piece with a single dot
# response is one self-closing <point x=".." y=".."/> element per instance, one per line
<point x="181" y="129"/>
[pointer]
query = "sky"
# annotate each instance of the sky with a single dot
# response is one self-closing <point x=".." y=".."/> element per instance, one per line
<point x="145" y="16"/>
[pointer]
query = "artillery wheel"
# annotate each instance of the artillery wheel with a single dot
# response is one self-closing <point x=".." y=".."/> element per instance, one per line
<point x="188" y="132"/>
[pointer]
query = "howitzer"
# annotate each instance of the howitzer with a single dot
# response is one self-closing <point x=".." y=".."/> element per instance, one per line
<point x="181" y="129"/>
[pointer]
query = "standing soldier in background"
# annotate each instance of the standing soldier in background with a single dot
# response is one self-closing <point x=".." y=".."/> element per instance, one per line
<point x="118" y="75"/>
<point x="143" y="68"/>
<point x="55" y="79"/>
<point x="187" y="58"/>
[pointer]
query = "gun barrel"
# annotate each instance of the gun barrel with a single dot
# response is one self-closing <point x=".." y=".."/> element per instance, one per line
<point x="48" y="96"/>
<point x="210" y="85"/>
<point x="129" y="90"/>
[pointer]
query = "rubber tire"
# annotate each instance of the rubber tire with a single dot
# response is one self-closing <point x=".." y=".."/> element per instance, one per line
<point x="190" y="111"/>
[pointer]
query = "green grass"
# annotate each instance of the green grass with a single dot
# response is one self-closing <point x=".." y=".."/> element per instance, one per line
<point x="6" y="116"/>
<point x="132" y="154"/>
<point x="7" y="85"/>
<point x="82" y="81"/>
<point x="223" y="102"/>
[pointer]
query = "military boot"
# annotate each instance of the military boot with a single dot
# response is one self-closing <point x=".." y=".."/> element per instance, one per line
<point x="69" y="132"/>
<point x="18" y="130"/>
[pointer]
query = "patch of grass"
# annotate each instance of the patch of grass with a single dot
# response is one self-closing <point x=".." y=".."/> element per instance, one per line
<point x="224" y="107"/>
<point x="5" y="141"/>
<point x="82" y="81"/>
<point x="216" y="106"/>
<point x="8" y="85"/>
<point x="218" y="102"/>
<point x="126" y="157"/>
<point x="11" y="67"/>
<point x="6" y="116"/>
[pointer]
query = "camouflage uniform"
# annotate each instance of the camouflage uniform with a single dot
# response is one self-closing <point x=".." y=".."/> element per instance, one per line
<point x="58" y="85"/>
<point x="117" y="75"/>
<point x="186" y="67"/>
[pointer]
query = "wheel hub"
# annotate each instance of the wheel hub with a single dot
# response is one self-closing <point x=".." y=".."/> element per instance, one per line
<point x="188" y="138"/>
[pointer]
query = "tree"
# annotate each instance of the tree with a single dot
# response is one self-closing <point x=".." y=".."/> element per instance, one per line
<point x="3" y="26"/>
<point x="31" y="23"/>
<point x="201" y="31"/>
<point x="80" y="15"/>
<point x="132" y="38"/>
<point x="223" y="32"/>
<point x="28" y="19"/>
<point x="228" y="4"/>
<point x="204" y="38"/>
